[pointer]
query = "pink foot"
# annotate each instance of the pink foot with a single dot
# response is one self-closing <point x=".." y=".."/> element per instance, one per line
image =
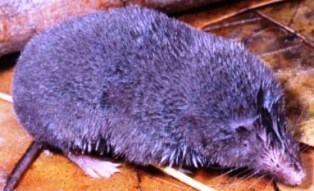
<point x="94" y="167"/>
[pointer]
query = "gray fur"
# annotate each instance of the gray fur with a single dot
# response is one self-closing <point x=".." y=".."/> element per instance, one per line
<point x="155" y="91"/>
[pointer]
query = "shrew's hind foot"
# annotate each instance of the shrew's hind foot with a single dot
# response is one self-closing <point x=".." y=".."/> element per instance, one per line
<point x="93" y="166"/>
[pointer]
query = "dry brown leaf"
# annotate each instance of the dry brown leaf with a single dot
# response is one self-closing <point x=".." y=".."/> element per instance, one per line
<point x="307" y="129"/>
<point x="201" y="19"/>
<point x="294" y="16"/>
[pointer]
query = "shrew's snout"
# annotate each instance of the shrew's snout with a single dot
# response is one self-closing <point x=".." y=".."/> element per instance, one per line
<point x="294" y="177"/>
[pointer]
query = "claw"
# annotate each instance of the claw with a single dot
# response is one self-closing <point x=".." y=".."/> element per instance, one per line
<point x="95" y="167"/>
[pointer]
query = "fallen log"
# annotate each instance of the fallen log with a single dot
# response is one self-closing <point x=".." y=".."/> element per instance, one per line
<point x="21" y="19"/>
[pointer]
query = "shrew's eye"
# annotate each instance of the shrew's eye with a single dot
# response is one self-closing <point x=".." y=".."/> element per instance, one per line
<point x="242" y="130"/>
<point x="245" y="144"/>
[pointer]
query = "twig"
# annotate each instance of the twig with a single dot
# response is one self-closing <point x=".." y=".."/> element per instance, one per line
<point x="287" y="28"/>
<point x="186" y="179"/>
<point x="208" y="17"/>
<point x="6" y="97"/>
<point x="231" y="24"/>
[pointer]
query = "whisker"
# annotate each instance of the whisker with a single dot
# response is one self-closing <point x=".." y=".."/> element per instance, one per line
<point x="239" y="175"/>
<point x="300" y="117"/>
<point x="226" y="173"/>
<point x="246" y="173"/>
<point x="258" y="180"/>
<point x="268" y="183"/>
<point x="246" y="178"/>
<point x="304" y="147"/>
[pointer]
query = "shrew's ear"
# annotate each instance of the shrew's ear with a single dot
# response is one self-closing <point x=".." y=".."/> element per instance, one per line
<point x="263" y="110"/>
<point x="266" y="120"/>
<point x="264" y="99"/>
<point x="269" y="117"/>
<point x="260" y="98"/>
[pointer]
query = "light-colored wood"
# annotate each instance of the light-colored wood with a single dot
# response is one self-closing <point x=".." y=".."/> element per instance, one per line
<point x="6" y="97"/>
<point x="186" y="179"/>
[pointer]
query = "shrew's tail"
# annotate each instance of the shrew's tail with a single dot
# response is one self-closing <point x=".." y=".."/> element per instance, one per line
<point x="27" y="159"/>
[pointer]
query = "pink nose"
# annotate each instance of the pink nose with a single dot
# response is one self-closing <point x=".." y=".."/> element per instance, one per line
<point x="296" y="178"/>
